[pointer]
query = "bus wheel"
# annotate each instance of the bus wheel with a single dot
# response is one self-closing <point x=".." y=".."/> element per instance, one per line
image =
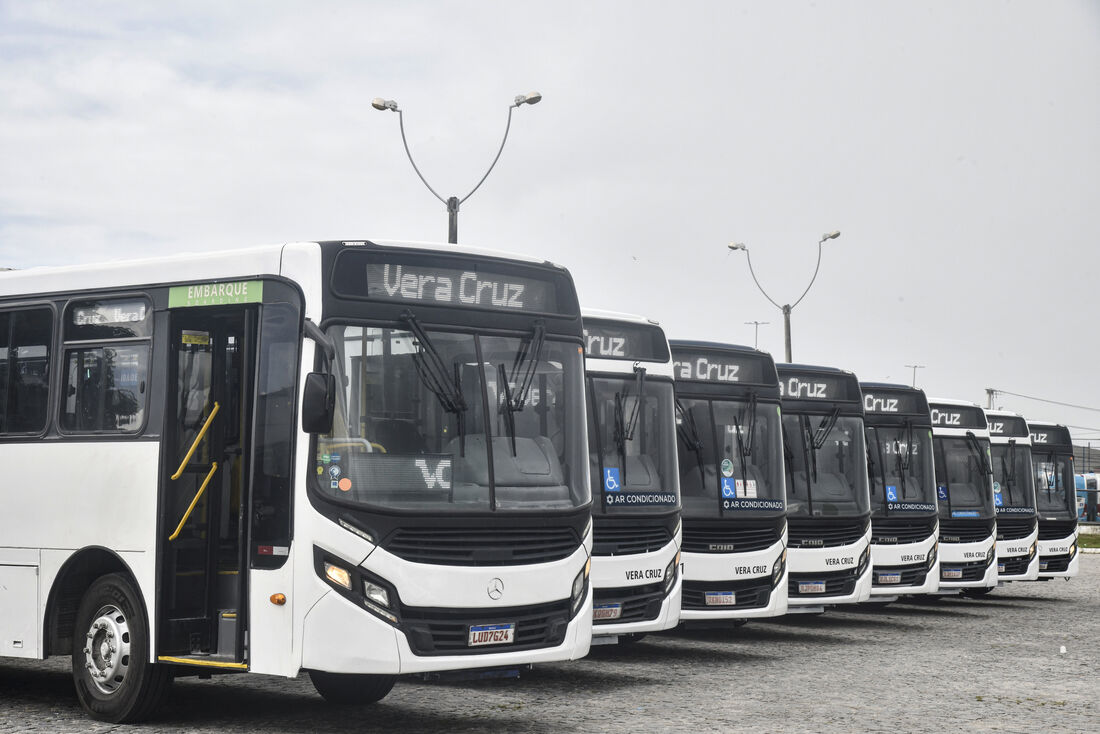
<point x="347" y="689"/>
<point x="111" y="671"/>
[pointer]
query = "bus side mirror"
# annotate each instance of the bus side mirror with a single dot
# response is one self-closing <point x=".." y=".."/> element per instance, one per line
<point x="318" y="403"/>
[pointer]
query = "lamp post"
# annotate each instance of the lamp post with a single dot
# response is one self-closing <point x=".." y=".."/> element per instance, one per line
<point x="786" y="308"/>
<point x="453" y="203"/>
<point x="756" y="334"/>
<point x="915" y="368"/>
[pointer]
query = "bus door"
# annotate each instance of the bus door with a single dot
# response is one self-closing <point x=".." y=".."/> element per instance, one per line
<point x="203" y="572"/>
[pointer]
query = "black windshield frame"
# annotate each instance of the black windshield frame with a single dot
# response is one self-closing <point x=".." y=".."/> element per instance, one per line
<point x="964" y="489"/>
<point x="814" y="445"/>
<point x="1053" y="477"/>
<point x="1013" y="479"/>
<point x="912" y="474"/>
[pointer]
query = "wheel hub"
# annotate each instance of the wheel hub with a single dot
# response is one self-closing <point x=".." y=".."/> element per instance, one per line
<point x="107" y="649"/>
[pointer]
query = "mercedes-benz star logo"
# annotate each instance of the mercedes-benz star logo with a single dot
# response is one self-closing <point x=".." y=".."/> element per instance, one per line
<point x="495" y="589"/>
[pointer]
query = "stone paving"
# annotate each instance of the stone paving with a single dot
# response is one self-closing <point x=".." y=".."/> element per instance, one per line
<point x="955" y="664"/>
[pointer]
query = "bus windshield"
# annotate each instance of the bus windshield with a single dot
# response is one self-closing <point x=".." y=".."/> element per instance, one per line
<point x="826" y="465"/>
<point x="1053" y="475"/>
<point x="963" y="477"/>
<point x="446" y="421"/>
<point x="632" y="445"/>
<point x="730" y="457"/>
<point x="1012" y="479"/>
<point x="902" y="474"/>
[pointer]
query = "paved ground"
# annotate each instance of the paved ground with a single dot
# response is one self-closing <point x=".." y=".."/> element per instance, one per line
<point x="990" y="665"/>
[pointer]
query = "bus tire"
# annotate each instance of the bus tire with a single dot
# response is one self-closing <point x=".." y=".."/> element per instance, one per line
<point x="114" y="680"/>
<point x="350" y="689"/>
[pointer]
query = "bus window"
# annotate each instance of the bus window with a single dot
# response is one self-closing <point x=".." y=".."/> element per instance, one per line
<point x="25" y="379"/>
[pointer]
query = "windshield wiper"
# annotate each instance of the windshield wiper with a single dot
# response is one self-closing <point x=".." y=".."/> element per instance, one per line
<point x="526" y="361"/>
<point x="688" y="433"/>
<point x="976" y="447"/>
<point x="433" y="370"/>
<point x="752" y="424"/>
<point x="741" y="453"/>
<point x="824" y="428"/>
<point x="625" y="427"/>
<point x="809" y="446"/>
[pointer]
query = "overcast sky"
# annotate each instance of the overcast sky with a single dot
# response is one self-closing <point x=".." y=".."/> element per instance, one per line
<point x="955" y="145"/>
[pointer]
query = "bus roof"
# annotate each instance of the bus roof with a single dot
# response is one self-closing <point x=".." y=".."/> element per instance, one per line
<point x="892" y="399"/>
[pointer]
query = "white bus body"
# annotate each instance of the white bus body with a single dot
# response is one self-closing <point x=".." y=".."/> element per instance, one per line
<point x="635" y="485"/>
<point x="828" y="500"/>
<point x="154" y="464"/>
<point x="731" y="480"/>
<point x="1014" y="497"/>
<point x="904" y="523"/>
<point x="964" y="486"/>
<point x="1055" y="499"/>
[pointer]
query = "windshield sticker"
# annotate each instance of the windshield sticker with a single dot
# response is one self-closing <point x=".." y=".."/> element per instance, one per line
<point x="199" y="338"/>
<point x="729" y="487"/>
<point x="345" y="485"/>
<point x="611" y="480"/>
<point x="1015" y="510"/>
<point x="910" y="507"/>
<point x="649" y="499"/>
<point x="891" y="493"/>
<point x="727" y="468"/>
<point x="941" y="492"/>
<point x="753" y="504"/>
<point x="964" y="513"/>
<point x="998" y="499"/>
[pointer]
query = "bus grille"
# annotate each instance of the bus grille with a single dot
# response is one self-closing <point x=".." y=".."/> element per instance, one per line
<point x="824" y="533"/>
<point x="912" y="575"/>
<point x="965" y="531"/>
<point x="837" y="583"/>
<point x="749" y="594"/>
<point x="971" y="571"/>
<point x="433" y="631"/>
<point x="635" y="538"/>
<point x="1056" y="529"/>
<point x="1054" y="564"/>
<point x="728" y="537"/>
<point x="486" y="546"/>
<point x="896" y="531"/>
<point x="1014" y="528"/>
<point x="1013" y="566"/>
<point x="639" y="603"/>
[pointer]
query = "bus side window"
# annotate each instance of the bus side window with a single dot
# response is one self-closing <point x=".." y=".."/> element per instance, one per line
<point x="25" y="376"/>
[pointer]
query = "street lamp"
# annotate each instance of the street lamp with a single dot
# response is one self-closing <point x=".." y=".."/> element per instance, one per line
<point x="786" y="308"/>
<point x="454" y="202"/>
<point x="915" y="368"/>
<point x="756" y="333"/>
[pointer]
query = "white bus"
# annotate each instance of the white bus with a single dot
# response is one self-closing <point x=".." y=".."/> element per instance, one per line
<point x="635" y="483"/>
<point x="731" y="476"/>
<point x="964" y="490"/>
<point x="1013" y="497"/>
<point x="1055" y="499"/>
<point x="354" y="459"/>
<point x="904" y="523"/>
<point x="828" y="500"/>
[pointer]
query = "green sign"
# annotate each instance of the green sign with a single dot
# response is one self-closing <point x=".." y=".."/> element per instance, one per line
<point x="216" y="294"/>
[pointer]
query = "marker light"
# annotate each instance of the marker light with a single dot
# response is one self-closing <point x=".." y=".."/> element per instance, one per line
<point x="338" y="575"/>
<point x="278" y="599"/>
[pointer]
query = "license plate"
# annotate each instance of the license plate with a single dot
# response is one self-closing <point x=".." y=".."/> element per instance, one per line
<point x="492" y="634"/>
<point x="1000" y="568"/>
<point x="889" y="578"/>
<point x="607" y="611"/>
<point x="720" y="598"/>
<point x="951" y="573"/>
<point x="1043" y="565"/>
<point x="811" y="587"/>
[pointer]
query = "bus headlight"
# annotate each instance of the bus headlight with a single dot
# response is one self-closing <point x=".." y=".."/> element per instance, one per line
<point x="932" y="555"/>
<point x="778" y="567"/>
<point x="580" y="585"/>
<point x="991" y="554"/>
<point x="1031" y="552"/>
<point x="670" y="573"/>
<point x="338" y="575"/>
<point x="864" y="558"/>
<point x="1073" y="549"/>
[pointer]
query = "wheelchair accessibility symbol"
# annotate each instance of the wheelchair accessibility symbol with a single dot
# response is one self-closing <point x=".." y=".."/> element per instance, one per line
<point x="611" y="480"/>
<point x="891" y="493"/>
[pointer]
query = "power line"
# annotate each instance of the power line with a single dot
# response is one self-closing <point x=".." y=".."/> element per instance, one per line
<point x="1043" y="400"/>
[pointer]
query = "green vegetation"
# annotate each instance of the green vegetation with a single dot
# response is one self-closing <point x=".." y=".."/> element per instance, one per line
<point x="1088" y="541"/>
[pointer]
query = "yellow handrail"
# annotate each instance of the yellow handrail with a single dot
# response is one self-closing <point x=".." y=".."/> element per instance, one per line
<point x="209" y="476"/>
<point x="198" y="438"/>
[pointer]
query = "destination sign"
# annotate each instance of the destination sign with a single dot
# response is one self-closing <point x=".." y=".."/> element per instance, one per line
<point x="624" y="340"/>
<point x="894" y="402"/>
<point x="1045" y="435"/>
<point x="407" y="279"/>
<point x="114" y="319"/>
<point x="817" y="386"/>
<point x="1011" y="426"/>
<point x="957" y="416"/>
<point x="697" y="365"/>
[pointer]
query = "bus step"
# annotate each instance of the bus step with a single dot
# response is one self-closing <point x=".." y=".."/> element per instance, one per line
<point x="227" y="633"/>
